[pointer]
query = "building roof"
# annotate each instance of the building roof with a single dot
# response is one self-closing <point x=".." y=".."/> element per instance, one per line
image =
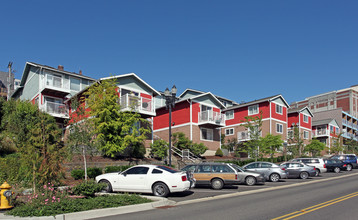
<point x="299" y="110"/>
<point x="198" y="91"/>
<point x="322" y="122"/>
<point x="259" y="101"/>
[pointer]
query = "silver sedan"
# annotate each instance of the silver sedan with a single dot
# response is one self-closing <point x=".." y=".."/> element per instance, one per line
<point x="271" y="171"/>
<point x="299" y="170"/>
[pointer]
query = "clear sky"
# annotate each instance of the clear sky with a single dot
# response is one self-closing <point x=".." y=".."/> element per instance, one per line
<point x="241" y="50"/>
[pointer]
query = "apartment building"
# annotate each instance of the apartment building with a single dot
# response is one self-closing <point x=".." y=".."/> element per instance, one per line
<point x="302" y="119"/>
<point x="198" y="115"/>
<point x="49" y="88"/>
<point x="326" y="131"/>
<point x="274" y="118"/>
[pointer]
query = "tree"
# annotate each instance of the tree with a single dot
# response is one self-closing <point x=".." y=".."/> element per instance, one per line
<point x="81" y="132"/>
<point x="254" y="127"/>
<point x="116" y="131"/>
<point x="351" y="146"/>
<point x="315" y="147"/>
<point x="336" y="146"/>
<point x="159" y="149"/>
<point x="181" y="142"/>
<point x="296" y="146"/>
<point x="270" y="144"/>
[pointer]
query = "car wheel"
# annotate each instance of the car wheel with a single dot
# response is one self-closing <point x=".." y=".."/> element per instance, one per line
<point x="160" y="189"/>
<point x="337" y="170"/>
<point x="217" y="184"/>
<point x="317" y="172"/>
<point x="349" y="167"/>
<point x="250" y="180"/>
<point x="108" y="187"/>
<point x="274" y="177"/>
<point x="303" y="175"/>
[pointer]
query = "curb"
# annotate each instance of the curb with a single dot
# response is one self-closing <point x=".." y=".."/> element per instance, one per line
<point x="96" y="213"/>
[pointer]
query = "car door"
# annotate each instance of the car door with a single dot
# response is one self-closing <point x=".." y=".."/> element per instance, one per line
<point x="293" y="169"/>
<point x="252" y="167"/>
<point x="265" y="169"/>
<point x="133" y="179"/>
<point x="203" y="174"/>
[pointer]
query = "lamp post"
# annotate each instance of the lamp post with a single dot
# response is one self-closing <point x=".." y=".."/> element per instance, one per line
<point x="170" y="97"/>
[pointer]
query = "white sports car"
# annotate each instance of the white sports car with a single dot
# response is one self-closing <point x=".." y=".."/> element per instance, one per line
<point x="157" y="179"/>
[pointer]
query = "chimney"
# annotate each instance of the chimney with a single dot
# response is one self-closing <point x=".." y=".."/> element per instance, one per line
<point x="60" y="67"/>
<point x="80" y="72"/>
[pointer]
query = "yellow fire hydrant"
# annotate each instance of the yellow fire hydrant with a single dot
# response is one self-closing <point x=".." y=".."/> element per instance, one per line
<point x="5" y="194"/>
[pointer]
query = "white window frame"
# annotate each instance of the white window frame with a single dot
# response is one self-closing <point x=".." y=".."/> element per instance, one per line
<point x="252" y="108"/>
<point x="230" y="130"/>
<point x="280" y="109"/>
<point x="79" y="86"/>
<point x="280" y="126"/>
<point x="305" y="118"/>
<point x="232" y="115"/>
<point x="305" y="134"/>
<point x="208" y="130"/>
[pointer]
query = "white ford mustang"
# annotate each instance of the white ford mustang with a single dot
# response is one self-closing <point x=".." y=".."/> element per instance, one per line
<point x="157" y="179"/>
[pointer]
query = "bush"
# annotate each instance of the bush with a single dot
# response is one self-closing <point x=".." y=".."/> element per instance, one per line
<point x="219" y="153"/>
<point x="78" y="174"/>
<point x="113" y="169"/>
<point x="159" y="149"/>
<point x="92" y="172"/>
<point x="87" y="188"/>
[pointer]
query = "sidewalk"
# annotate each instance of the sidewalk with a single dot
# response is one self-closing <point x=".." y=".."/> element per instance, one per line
<point x="158" y="202"/>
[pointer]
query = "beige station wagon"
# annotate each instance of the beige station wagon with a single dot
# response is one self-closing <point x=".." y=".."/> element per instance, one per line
<point x="219" y="174"/>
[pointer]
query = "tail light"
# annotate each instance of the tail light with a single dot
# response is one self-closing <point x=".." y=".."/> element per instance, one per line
<point x="314" y="168"/>
<point x="283" y="168"/>
<point x="183" y="178"/>
<point x="344" y="165"/>
<point x="235" y="176"/>
<point x="324" y="165"/>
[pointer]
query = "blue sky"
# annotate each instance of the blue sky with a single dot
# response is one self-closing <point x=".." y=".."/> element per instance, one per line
<point x="241" y="50"/>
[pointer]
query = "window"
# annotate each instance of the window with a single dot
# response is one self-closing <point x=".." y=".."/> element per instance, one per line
<point x="221" y="169"/>
<point x="207" y="134"/>
<point x="254" y="109"/>
<point x="290" y="134"/>
<point x="252" y="166"/>
<point x="54" y="80"/>
<point x="279" y="128"/>
<point x="305" y="118"/>
<point x="137" y="170"/>
<point x="337" y="130"/>
<point x="229" y="131"/>
<point x="331" y="128"/>
<point x="155" y="171"/>
<point x="279" y="109"/>
<point x="266" y="165"/>
<point x="204" y="169"/>
<point x="305" y="134"/>
<point x="229" y="114"/>
<point x="75" y="84"/>
<point x="190" y="168"/>
<point x="205" y="108"/>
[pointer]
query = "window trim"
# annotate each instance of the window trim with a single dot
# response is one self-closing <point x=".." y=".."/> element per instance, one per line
<point x="233" y="131"/>
<point x="207" y="129"/>
<point x="305" y="117"/>
<point x="280" y="108"/>
<point x="228" y="118"/>
<point x="306" y="132"/>
<point x="281" y="126"/>
<point x="252" y="106"/>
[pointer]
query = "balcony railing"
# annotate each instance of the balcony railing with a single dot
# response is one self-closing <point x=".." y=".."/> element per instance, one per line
<point x="320" y="132"/>
<point x="56" y="109"/>
<point x="212" y="118"/>
<point x="139" y="104"/>
<point x="56" y="82"/>
<point x="243" y="135"/>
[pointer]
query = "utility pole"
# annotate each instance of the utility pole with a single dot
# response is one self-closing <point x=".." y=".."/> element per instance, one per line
<point x="9" y="81"/>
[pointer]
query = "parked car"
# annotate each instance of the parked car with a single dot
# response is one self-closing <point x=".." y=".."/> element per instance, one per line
<point x="272" y="172"/>
<point x="316" y="162"/>
<point x="299" y="170"/>
<point x="349" y="159"/>
<point x="219" y="174"/>
<point x="335" y="165"/>
<point x="156" y="179"/>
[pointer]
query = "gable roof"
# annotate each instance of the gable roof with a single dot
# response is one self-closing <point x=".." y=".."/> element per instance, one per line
<point x="267" y="99"/>
<point x="324" y="122"/>
<point x="201" y="92"/>
<point x="135" y="76"/>
<point x="299" y="110"/>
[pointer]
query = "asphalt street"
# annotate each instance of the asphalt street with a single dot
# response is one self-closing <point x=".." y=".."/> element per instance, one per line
<point x="331" y="199"/>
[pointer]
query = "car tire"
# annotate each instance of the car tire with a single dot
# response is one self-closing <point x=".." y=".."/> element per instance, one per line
<point x="337" y="169"/>
<point x="250" y="180"/>
<point x="304" y="175"/>
<point x="160" y="189"/>
<point x="217" y="184"/>
<point x="274" y="177"/>
<point x="108" y="188"/>
<point x="349" y="167"/>
<point x="317" y="172"/>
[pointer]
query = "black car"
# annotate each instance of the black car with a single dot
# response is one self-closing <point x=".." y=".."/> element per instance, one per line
<point x="349" y="159"/>
<point x="335" y="165"/>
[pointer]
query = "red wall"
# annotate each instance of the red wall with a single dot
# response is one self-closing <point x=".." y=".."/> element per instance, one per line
<point x="180" y="115"/>
<point x="292" y="118"/>
<point x="304" y="124"/>
<point x="241" y="113"/>
<point x="275" y="115"/>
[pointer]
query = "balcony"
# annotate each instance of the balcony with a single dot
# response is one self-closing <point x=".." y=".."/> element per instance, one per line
<point x="56" y="109"/>
<point x="138" y="104"/>
<point x="211" y="117"/>
<point x="55" y="85"/>
<point x="320" y="133"/>
<point x="243" y="136"/>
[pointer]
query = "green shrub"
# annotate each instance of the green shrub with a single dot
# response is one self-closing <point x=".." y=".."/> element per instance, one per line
<point x="92" y="172"/>
<point x="219" y="153"/>
<point x="159" y="149"/>
<point x="78" y="174"/>
<point x="87" y="188"/>
<point x="113" y="169"/>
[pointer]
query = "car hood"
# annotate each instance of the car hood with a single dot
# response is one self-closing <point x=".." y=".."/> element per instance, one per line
<point x="106" y="175"/>
<point x="252" y="173"/>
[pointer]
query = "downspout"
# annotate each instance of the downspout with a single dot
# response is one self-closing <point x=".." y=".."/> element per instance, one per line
<point x="270" y="118"/>
<point x="152" y="130"/>
<point x="191" y="120"/>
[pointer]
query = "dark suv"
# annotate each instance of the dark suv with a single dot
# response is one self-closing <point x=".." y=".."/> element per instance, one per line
<point x="349" y="159"/>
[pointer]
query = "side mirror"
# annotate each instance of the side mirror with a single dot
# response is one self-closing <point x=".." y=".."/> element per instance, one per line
<point x="124" y="173"/>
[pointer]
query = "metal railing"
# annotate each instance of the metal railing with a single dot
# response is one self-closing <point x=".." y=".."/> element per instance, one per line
<point x="57" y="109"/>
<point x="185" y="154"/>
<point x="320" y="132"/>
<point x="130" y="102"/>
<point x="211" y="117"/>
<point x="243" y="135"/>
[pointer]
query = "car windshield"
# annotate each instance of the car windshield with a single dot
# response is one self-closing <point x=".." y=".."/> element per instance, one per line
<point x="238" y="168"/>
<point x="169" y="169"/>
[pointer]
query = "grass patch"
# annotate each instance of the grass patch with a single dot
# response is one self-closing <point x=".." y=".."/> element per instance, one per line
<point x="76" y="205"/>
